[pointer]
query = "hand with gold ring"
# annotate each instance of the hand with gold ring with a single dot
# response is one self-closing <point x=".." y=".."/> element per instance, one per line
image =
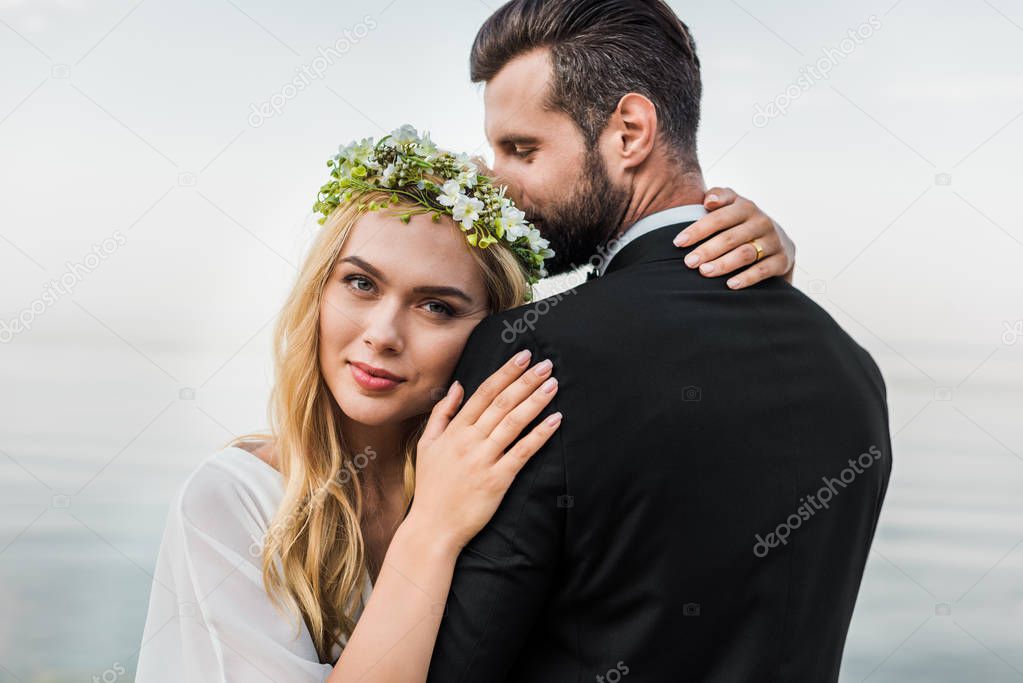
<point x="760" y="250"/>
<point x="736" y="234"/>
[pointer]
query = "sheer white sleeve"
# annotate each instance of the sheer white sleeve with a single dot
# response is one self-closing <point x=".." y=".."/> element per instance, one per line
<point x="210" y="618"/>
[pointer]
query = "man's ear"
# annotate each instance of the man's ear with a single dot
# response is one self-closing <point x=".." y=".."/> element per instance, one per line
<point x="636" y="119"/>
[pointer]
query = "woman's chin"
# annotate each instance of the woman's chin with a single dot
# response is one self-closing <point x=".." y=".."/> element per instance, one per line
<point x="379" y="411"/>
<point x="372" y="412"/>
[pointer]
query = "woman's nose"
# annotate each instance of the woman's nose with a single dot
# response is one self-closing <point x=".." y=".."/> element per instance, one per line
<point x="383" y="331"/>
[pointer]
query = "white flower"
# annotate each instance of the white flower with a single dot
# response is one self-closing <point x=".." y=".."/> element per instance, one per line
<point x="537" y="244"/>
<point x="451" y="191"/>
<point x="516" y="231"/>
<point x="467" y="178"/>
<point x="467" y="194"/>
<point x="356" y="152"/>
<point x="466" y="211"/>
<point x="428" y="148"/>
<point x="466" y="162"/>
<point x="510" y="210"/>
<point x="512" y="220"/>
<point x="404" y="135"/>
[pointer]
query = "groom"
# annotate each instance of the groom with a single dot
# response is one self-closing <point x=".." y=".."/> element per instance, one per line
<point x="705" y="511"/>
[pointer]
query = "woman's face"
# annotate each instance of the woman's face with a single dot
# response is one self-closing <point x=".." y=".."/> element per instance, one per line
<point x="395" y="314"/>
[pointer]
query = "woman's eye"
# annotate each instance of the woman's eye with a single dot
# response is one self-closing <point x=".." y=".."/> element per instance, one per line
<point x="523" y="153"/>
<point x="354" y="282"/>
<point x="441" y="308"/>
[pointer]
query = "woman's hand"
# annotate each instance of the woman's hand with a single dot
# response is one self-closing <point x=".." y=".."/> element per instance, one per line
<point x="463" y="463"/>
<point x="737" y="222"/>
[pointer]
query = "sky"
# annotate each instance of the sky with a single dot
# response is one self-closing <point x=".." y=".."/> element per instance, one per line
<point x="138" y="117"/>
<point x="158" y="167"/>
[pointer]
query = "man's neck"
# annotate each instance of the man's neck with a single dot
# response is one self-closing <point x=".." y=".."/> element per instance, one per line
<point x="650" y="198"/>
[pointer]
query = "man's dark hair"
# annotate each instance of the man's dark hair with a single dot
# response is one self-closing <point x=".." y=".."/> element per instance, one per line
<point x="600" y="51"/>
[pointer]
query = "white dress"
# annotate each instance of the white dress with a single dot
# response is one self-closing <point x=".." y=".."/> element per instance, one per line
<point x="210" y="618"/>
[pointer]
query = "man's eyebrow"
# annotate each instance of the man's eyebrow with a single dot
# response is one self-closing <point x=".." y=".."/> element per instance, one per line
<point x="516" y="139"/>
<point x="434" y="290"/>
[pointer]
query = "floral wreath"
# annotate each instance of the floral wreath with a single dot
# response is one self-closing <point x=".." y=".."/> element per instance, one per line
<point x="399" y="164"/>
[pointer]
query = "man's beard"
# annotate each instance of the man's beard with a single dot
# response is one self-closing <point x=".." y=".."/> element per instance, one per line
<point x="580" y="224"/>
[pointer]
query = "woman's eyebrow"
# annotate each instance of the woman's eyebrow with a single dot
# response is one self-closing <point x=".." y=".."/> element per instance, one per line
<point x="365" y="265"/>
<point x="434" y="290"/>
<point x="444" y="291"/>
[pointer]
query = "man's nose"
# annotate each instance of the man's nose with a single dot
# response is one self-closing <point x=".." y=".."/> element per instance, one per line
<point x="499" y="171"/>
<point x="505" y="175"/>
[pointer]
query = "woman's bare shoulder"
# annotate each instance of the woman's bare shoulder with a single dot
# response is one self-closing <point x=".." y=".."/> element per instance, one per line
<point x="229" y="485"/>
<point x="262" y="449"/>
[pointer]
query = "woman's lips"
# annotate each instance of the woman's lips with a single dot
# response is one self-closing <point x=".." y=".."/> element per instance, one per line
<point x="363" y="377"/>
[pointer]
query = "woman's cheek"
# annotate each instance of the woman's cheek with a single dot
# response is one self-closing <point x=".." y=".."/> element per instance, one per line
<point x="449" y="353"/>
<point x="336" y="328"/>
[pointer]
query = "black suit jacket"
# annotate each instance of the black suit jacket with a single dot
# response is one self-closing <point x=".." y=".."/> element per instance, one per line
<point x="706" y="508"/>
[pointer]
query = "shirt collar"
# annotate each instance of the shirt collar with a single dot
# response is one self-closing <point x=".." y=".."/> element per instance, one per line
<point x="678" y="214"/>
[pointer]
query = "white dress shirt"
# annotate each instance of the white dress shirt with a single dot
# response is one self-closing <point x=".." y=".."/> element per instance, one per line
<point x="672" y="216"/>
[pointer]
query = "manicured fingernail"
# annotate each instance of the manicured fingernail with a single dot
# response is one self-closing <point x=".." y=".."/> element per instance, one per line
<point x="548" y="386"/>
<point x="692" y="260"/>
<point x="712" y="198"/>
<point x="707" y="268"/>
<point x="544" y="367"/>
<point x="553" y="419"/>
<point x="682" y="239"/>
<point x="451" y="389"/>
<point x="522" y="357"/>
<point x="733" y="283"/>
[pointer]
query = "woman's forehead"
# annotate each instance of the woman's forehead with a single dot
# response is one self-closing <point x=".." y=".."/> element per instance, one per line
<point x="421" y="249"/>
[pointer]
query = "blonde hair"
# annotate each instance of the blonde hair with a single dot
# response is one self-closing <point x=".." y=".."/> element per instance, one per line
<point x="314" y="558"/>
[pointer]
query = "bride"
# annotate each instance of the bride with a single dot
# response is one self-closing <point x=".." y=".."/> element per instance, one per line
<point x="274" y="543"/>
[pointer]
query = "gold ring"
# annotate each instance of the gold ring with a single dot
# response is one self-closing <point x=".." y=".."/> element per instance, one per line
<point x="760" y="250"/>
